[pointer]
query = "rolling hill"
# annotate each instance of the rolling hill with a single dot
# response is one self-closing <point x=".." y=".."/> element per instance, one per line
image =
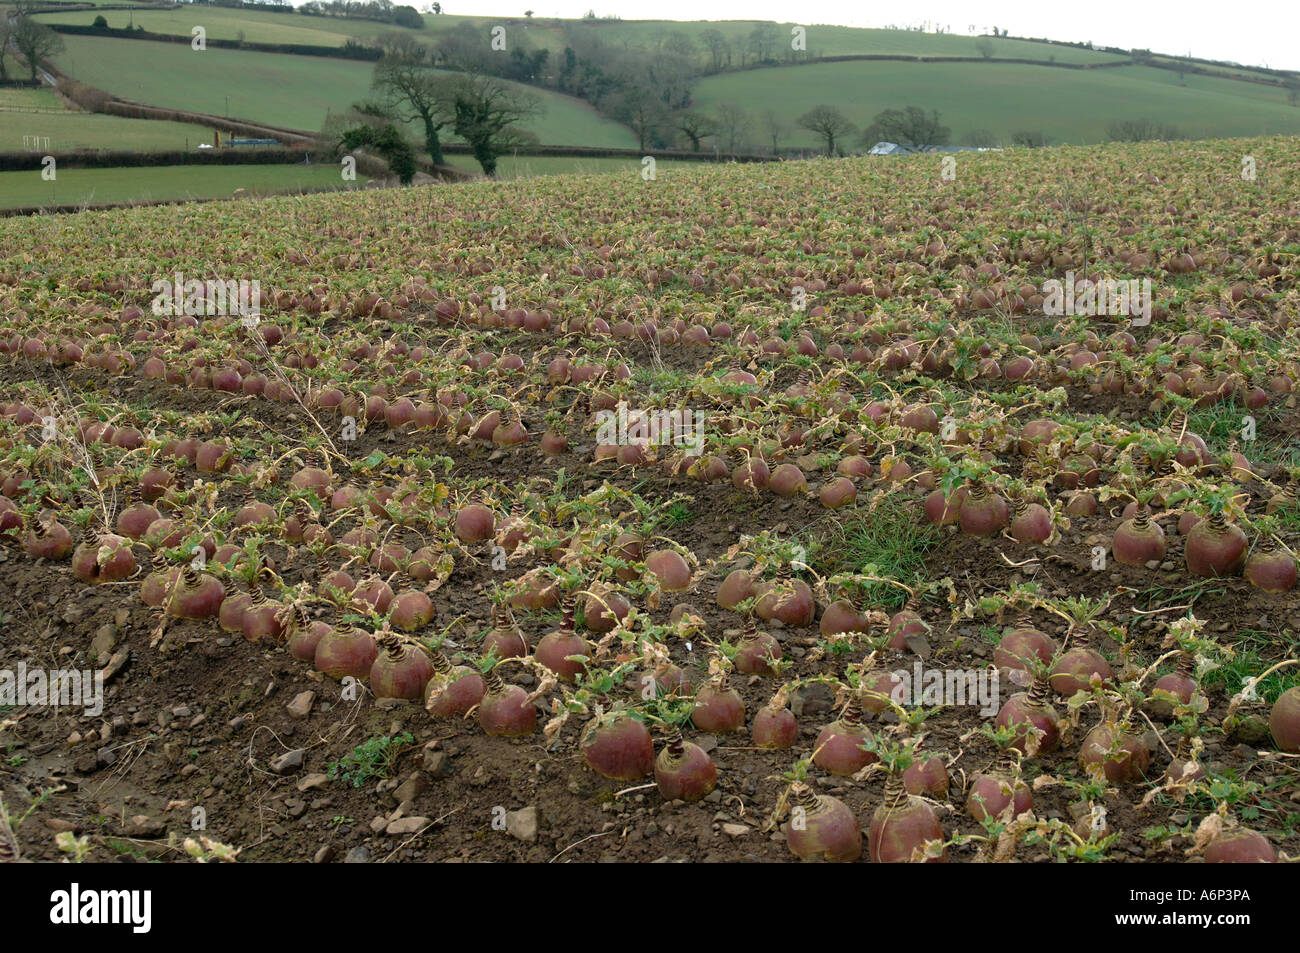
<point x="281" y="89"/>
<point x="822" y="40"/>
<point x="1068" y="105"/>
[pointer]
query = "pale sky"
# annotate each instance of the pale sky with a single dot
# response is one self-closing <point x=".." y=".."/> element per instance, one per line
<point x="1254" y="32"/>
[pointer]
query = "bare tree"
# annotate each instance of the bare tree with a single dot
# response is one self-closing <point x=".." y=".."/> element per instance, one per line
<point x="679" y="43"/>
<point x="403" y="46"/>
<point x="405" y="76"/>
<point x="828" y="123"/>
<point x="763" y="41"/>
<point x="695" y="126"/>
<point x="985" y="47"/>
<point x="733" y="125"/>
<point x="908" y="127"/>
<point x="776" y="129"/>
<point x="463" y="48"/>
<point x="716" y="44"/>
<point x="640" y="109"/>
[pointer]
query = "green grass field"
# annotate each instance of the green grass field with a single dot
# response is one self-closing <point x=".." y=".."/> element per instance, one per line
<point x="1230" y="70"/>
<point x="29" y="100"/>
<point x="90" y="186"/>
<point x="226" y="24"/>
<point x="39" y="112"/>
<point x="1068" y="105"/>
<point x="69" y="131"/>
<point x="284" y="90"/>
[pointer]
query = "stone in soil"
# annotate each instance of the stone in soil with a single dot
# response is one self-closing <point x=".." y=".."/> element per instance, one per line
<point x="300" y="707"/>
<point x="143" y="826"/>
<point x="410" y="789"/>
<point x="289" y="762"/>
<point x="309" y="782"/>
<point x="407" y="825"/>
<point x="522" y="824"/>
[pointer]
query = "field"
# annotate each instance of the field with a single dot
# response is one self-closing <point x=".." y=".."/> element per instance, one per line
<point x="822" y="40"/>
<point x="39" y="112"/>
<point x="226" y="24"/>
<point x="291" y="91"/>
<point x="517" y="167"/>
<point x="79" y="186"/>
<point x="1070" y="106"/>
<point x="29" y="99"/>
<point x="593" y="518"/>
<point x="69" y="131"/>
<point x="95" y="186"/>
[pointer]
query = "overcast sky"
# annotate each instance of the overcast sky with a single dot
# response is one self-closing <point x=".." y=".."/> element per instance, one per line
<point x="1254" y="32"/>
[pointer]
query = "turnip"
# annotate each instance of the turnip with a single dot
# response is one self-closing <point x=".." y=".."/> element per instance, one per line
<point x="400" y="670"/>
<point x="1284" y="721"/>
<point x="774" y="723"/>
<point x="1270" y="568"/>
<point x="50" y="540"/>
<point x="904" y="828"/>
<point x="346" y="651"/>
<point x="718" y="708"/>
<point x="103" y="557"/>
<point x="684" y="771"/>
<point x="618" y="746"/>
<point x="1240" y="846"/>
<point x="1074" y="671"/>
<point x="668" y="570"/>
<point x="1033" y="718"/>
<point x="1215" y="547"/>
<point x="563" y="650"/>
<point x="1117" y="753"/>
<point x="983" y="512"/>
<point x="505" y="710"/>
<point x="1032" y="523"/>
<point x="735" y="589"/>
<point x="789" y="600"/>
<point x="452" y="690"/>
<point x="1137" y="541"/>
<point x="1021" y="646"/>
<point x="198" y="596"/>
<point x="822" y="828"/>
<point x="757" y="652"/>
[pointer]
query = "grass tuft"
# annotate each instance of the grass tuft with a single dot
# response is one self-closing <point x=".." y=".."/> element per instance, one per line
<point x="889" y="539"/>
